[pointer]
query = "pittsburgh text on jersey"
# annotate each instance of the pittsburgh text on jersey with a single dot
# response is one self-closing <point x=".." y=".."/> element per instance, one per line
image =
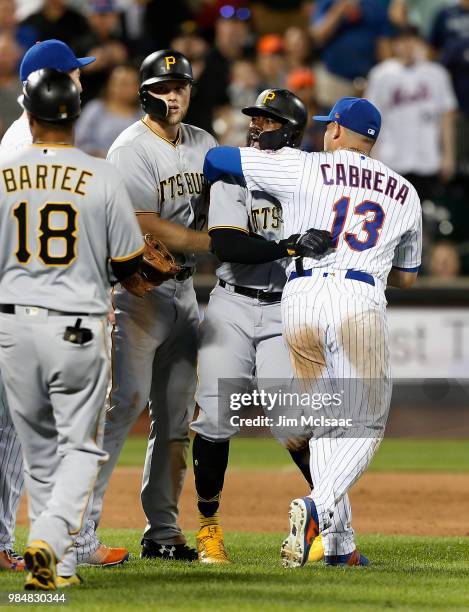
<point x="189" y="182"/>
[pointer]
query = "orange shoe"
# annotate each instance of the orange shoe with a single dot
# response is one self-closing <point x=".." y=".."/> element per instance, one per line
<point x="11" y="561"/>
<point x="105" y="556"/>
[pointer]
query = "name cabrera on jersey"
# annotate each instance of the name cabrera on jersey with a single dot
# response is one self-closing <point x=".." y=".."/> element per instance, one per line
<point x="164" y="177"/>
<point x="233" y="206"/>
<point x="63" y="214"/>
<point x="374" y="214"/>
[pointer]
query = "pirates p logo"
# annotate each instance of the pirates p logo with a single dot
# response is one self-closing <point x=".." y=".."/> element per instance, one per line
<point x="269" y="96"/>
<point x="170" y="61"/>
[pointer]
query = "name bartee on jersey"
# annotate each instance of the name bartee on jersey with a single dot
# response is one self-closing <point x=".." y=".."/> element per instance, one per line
<point x="192" y="183"/>
<point x="364" y="178"/>
<point x="48" y="177"/>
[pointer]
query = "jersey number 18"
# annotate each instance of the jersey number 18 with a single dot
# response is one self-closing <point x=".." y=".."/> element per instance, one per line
<point x="66" y="233"/>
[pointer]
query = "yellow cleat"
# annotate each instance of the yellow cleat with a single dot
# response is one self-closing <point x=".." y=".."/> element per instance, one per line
<point x="316" y="552"/>
<point x="41" y="563"/>
<point x="67" y="581"/>
<point x="210" y="545"/>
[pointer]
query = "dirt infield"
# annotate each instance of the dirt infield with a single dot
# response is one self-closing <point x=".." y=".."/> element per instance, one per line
<point x="387" y="503"/>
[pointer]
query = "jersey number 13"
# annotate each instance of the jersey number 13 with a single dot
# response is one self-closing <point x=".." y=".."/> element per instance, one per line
<point x="371" y="227"/>
<point x="66" y="233"/>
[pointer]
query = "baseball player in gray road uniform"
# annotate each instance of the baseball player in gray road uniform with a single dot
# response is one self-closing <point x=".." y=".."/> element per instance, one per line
<point x="46" y="54"/>
<point x="63" y="216"/>
<point x="241" y="335"/>
<point x="155" y="337"/>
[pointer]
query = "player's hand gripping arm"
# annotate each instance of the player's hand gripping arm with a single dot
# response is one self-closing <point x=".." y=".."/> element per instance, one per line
<point x="177" y="238"/>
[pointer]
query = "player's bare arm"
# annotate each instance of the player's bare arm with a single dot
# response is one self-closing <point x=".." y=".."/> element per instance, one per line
<point x="400" y="279"/>
<point x="327" y="27"/>
<point x="176" y="237"/>
<point x="448" y="142"/>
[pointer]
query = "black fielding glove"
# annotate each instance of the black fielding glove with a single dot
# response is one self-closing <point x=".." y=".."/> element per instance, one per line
<point x="313" y="243"/>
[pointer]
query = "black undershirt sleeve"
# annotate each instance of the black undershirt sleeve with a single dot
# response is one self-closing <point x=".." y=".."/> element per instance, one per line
<point x="124" y="269"/>
<point x="234" y="246"/>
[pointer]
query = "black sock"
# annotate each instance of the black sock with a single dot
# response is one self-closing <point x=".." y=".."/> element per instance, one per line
<point x="210" y="460"/>
<point x="301" y="458"/>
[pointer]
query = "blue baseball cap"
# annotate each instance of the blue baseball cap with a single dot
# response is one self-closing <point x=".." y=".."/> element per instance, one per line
<point x="102" y="7"/>
<point x="51" y="53"/>
<point x="356" y="114"/>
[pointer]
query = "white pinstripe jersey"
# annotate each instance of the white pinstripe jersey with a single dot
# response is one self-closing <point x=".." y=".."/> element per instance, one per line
<point x="373" y="213"/>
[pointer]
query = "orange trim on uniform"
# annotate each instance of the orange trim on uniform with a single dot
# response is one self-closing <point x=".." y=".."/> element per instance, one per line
<point x="53" y="144"/>
<point x="241" y="229"/>
<point x="145" y="212"/>
<point x="130" y="256"/>
<point x="173" y="144"/>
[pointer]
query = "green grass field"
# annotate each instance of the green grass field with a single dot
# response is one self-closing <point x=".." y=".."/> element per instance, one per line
<point x="407" y="573"/>
<point x="394" y="455"/>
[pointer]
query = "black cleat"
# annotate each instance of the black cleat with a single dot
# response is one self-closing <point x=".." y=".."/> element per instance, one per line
<point x="170" y="552"/>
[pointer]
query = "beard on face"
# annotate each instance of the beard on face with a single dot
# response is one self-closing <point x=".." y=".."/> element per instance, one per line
<point x="252" y="137"/>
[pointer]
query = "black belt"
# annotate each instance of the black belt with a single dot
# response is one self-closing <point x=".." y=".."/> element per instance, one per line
<point x="258" y="294"/>
<point x="184" y="274"/>
<point x="11" y="309"/>
<point x="358" y="275"/>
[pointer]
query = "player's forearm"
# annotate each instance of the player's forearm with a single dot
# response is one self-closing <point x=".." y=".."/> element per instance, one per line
<point x="124" y="269"/>
<point x="400" y="279"/>
<point x="177" y="238"/>
<point x="234" y="246"/>
<point x="448" y="137"/>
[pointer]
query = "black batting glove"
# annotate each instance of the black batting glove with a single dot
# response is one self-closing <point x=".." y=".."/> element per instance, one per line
<point x="313" y="243"/>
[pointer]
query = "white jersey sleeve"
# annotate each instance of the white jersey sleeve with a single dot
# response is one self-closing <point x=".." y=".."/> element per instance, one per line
<point x="447" y="97"/>
<point x="228" y="206"/>
<point x="408" y="253"/>
<point x="276" y="172"/>
<point x="18" y="136"/>
<point x="139" y="177"/>
<point x="123" y="231"/>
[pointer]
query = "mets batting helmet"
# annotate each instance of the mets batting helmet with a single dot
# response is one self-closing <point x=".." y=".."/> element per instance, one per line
<point x="165" y="65"/>
<point x="285" y="107"/>
<point x="50" y="95"/>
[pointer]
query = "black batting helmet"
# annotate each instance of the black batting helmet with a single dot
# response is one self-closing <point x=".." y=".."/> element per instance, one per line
<point x="283" y="105"/>
<point x="51" y="95"/>
<point x="164" y="65"/>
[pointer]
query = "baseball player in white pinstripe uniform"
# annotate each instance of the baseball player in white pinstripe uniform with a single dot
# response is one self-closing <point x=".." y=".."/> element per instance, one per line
<point x="334" y="309"/>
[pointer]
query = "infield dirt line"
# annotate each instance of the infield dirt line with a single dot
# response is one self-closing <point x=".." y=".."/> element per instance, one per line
<point x="387" y="503"/>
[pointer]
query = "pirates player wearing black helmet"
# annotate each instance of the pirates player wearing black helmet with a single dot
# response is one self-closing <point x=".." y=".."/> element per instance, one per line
<point x="155" y="337"/>
<point x="241" y="335"/>
<point x="66" y="218"/>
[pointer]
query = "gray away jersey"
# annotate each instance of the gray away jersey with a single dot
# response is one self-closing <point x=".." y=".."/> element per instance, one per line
<point x="233" y="206"/>
<point x="163" y="177"/>
<point x="373" y="213"/>
<point x="63" y="214"/>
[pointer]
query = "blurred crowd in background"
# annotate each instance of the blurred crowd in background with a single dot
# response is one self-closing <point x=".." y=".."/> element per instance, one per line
<point x="409" y="57"/>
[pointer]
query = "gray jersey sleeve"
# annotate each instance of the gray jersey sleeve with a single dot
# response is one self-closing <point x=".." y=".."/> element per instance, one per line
<point x="139" y="177"/>
<point x="123" y="231"/>
<point x="228" y="206"/>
